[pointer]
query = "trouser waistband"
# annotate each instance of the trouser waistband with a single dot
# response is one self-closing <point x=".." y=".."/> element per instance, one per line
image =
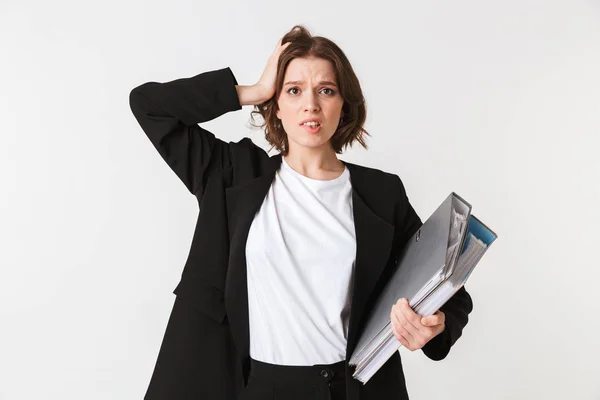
<point x="296" y="373"/>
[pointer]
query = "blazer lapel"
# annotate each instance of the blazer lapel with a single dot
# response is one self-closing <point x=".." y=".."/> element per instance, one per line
<point x="243" y="202"/>
<point x="374" y="237"/>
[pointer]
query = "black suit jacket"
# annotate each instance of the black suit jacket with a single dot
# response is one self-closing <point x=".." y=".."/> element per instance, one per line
<point x="205" y="350"/>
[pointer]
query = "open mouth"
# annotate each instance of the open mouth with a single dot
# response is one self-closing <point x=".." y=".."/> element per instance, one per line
<point x="312" y="124"/>
<point x="312" y="127"/>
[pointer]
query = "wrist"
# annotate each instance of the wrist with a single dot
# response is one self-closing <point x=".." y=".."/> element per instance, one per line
<point x="251" y="94"/>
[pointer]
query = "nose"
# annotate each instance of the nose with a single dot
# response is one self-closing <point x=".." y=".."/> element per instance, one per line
<point x="311" y="103"/>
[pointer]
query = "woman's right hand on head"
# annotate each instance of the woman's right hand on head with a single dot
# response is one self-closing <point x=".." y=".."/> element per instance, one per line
<point x="266" y="83"/>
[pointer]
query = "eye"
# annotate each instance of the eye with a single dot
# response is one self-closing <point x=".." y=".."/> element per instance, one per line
<point x="331" y="91"/>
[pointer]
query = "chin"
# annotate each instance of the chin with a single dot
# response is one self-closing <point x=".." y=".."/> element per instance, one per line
<point x="314" y="141"/>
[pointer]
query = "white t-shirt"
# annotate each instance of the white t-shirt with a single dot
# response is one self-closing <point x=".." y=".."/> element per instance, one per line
<point x="300" y="256"/>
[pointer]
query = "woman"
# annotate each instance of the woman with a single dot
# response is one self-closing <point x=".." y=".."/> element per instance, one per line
<point x="290" y="250"/>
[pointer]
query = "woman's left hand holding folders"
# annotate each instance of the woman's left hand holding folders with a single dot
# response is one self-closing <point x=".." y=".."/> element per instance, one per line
<point x="413" y="330"/>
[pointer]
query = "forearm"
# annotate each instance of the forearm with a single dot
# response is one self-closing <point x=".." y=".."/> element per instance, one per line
<point x="169" y="114"/>
<point x="250" y="95"/>
<point x="192" y="100"/>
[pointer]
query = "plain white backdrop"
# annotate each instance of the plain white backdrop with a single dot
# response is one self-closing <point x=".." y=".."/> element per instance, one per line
<point x="497" y="101"/>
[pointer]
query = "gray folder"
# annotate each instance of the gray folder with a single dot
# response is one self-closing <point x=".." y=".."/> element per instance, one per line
<point x="434" y="264"/>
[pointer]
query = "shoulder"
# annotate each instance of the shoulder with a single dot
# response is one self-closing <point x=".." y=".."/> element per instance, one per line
<point x="246" y="152"/>
<point x="372" y="176"/>
<point x="371" y="171"/>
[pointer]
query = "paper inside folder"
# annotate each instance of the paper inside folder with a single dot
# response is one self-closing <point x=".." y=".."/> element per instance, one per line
<point x="458" y="224"/>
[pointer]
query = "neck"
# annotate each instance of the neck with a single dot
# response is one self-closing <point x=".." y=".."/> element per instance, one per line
<point x="314" y="162"/>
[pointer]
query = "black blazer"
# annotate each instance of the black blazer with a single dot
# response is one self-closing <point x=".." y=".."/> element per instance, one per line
<point x="205" y="350"/>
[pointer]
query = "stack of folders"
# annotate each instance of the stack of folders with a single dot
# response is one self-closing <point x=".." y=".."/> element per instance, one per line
<point x="434" y="265"/>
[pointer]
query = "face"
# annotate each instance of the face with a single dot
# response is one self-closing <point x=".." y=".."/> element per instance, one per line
<point x="313" y="93"/>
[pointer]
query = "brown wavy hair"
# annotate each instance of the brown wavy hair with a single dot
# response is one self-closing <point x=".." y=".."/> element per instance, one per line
<point x="354" y="111"/>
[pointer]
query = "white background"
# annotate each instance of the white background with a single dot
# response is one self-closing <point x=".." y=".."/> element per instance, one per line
<point x="498" y="101"/>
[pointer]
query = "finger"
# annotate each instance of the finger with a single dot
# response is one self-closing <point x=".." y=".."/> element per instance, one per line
<point x="430" y="320"/>
<point x="401" y="326"/>
<point x="397" y="334"/>
<point x="280" y="48"/>
<point x="405" y="323"/>
<point x="417" y="337"/>
<point x="413" y="317"/>
<point x="433" y="320"/>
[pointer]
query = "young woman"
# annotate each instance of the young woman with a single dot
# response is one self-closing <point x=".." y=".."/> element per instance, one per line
<point x="290" y="250"/>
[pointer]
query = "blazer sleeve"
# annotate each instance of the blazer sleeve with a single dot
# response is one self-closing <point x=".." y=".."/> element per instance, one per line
<point x="456" y="309"/>
<point x="169" y="114"/>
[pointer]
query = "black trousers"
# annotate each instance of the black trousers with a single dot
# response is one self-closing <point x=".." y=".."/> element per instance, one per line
<point x="290" y="382"/>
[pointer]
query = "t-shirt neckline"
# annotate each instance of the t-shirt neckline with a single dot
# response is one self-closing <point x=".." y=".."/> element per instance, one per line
<point x="316" y="181"/>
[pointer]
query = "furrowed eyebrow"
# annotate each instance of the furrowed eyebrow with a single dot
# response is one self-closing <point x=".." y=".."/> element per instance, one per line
<point x="301" y="82"/>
